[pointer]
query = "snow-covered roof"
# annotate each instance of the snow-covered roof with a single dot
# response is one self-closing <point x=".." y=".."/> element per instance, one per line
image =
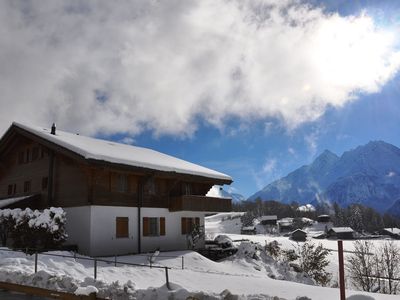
<point x="342" y="229"/>
<point x="299" y="230"/>
<point x="112" y="152"/>
<point x="393" y="230"/>
<point x="248" y="228"/>
<point x="268" y="218"/>
<point x="9" y="201"/>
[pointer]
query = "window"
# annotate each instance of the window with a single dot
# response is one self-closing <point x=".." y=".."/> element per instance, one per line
<point x="28" y="155"/>
<point x="35" y="153"/>
<point x="188" y="224"/>
<point x="27" y="186"/>
<point x="10" y="190"/>
<point x="187" y="188"/>
<point x="150" y="187"/>
<point x="45" y="182"/>
<point x="122" y="183"/>
<point x="153" y="226"/>
<point x="21" y="157"/>
<point x="121" y="227"/>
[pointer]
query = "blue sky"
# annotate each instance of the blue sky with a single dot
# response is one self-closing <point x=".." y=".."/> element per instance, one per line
<point x="258" y="152"/>
<point x="254" y="89"/>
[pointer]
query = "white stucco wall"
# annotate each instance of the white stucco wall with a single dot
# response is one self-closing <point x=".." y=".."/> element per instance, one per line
<point x="100" y="240"/>
<point x="78" y="227"/>
<point x="103" y="229"/>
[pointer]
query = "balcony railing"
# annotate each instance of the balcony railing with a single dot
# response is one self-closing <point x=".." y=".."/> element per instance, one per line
<point x="200" y="203"/>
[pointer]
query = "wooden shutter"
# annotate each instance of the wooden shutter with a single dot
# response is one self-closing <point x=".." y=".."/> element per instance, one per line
<point x="122" y="227"/>
<point x="145" y="226"/>
<point x="162" y="226"/>
<point x="183" y="225"/>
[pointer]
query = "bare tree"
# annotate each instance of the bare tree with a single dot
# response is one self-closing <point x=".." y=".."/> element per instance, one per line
<point x="390" y="267"/>
<point x="362" y="266"/>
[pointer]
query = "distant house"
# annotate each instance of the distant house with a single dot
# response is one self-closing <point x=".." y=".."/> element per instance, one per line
<point x="118" y="198"/>
<point x="285" y="224"/>
<point x="269" y="220"/>
<point x="248" y="230"/>
<point x="323" y="219"/>
<point x="341" y="233"/>
<point x="392" y="232"/>
<point x="298" y="235"/>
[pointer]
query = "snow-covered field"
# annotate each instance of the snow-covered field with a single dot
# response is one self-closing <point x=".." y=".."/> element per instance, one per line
<point x="200" y="277"/>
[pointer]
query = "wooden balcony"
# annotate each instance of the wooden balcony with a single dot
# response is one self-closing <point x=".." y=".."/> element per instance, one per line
<point x="200" y="203"/>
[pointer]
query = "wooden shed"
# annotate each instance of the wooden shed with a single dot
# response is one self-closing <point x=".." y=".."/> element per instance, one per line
<point x="299" y="235"/>
<point x="341" y="233"/>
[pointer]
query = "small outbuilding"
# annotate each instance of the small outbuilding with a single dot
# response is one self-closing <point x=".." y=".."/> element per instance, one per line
<point x="298" y="235"/>
<point x="392" y="232"/>
<point x="323" y="219"/>
<point x="285" y="225"/>
<point x="268" y="220"/>
<point x="341" y="233"/>
<point x="248" y="230"/>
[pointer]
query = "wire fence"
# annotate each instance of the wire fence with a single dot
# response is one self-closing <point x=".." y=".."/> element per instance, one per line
<point x="96" y="261"/>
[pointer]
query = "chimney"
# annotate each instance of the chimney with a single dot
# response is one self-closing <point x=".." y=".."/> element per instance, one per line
<point x="53" y="129"/>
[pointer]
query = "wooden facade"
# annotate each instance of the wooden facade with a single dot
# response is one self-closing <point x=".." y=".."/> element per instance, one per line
<point x="30" y="165"/>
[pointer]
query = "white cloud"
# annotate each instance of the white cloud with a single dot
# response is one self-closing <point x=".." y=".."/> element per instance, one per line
<point x="101" y="66"/>
<point x="127" y="140"/>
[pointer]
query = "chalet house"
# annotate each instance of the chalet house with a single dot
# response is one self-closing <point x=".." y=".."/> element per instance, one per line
<point x="269" y="220"/>
<point x="118" y="198"/>
<point x="341" y="233"/>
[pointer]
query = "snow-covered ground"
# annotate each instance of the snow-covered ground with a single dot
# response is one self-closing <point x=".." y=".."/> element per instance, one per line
<point x="201" y="277"/>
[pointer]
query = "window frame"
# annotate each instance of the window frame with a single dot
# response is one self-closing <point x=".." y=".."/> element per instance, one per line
<point x="156" y="229"/>
<point x="27" y="186"/>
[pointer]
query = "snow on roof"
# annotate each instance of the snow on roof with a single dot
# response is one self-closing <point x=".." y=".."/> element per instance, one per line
<point x="248" y="228"/>
<point x="393" y="230"/>
<point x="306" y="208"/>
<point x="268" y="218"/>
<point x="9" y="201"/>
<point x="103" y="150"/>
<point x="342" y="229"/>
<point x="299" y="230"/>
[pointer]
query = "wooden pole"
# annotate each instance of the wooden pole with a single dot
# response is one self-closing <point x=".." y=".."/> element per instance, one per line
<point x="166" y="278"/>
<point x="341" y="271"/>
<point x="183" y="263"/>
<point x="95" y="269"/>
<point x="36" y="261"/>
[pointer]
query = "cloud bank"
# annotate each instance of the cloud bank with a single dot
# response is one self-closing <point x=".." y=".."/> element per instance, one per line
<point x="164" y="66"/>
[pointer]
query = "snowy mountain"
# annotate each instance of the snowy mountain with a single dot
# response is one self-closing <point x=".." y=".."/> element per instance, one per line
<point x="218" y="192"/>
<point x="369" y="175"/>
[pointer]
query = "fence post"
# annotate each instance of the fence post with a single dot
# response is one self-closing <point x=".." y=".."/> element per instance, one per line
<point x="341" y="271"/>
<point x="115" y="260"/>
<point x="36" y="261"/>
<point x="166" y="278"/>
<point x="75" y="255"/>
<point x="95" y="268"/>
<point x="183" y="263"/>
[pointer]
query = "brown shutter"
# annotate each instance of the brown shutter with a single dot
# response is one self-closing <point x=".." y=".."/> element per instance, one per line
<point x="121" y="227"/>
<point x="162" y="226"/>
<point x="197" y="222"/>
<point x="183" y="226"/>
<point x="189" y="225"/>
<point x="145" y="226"/>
